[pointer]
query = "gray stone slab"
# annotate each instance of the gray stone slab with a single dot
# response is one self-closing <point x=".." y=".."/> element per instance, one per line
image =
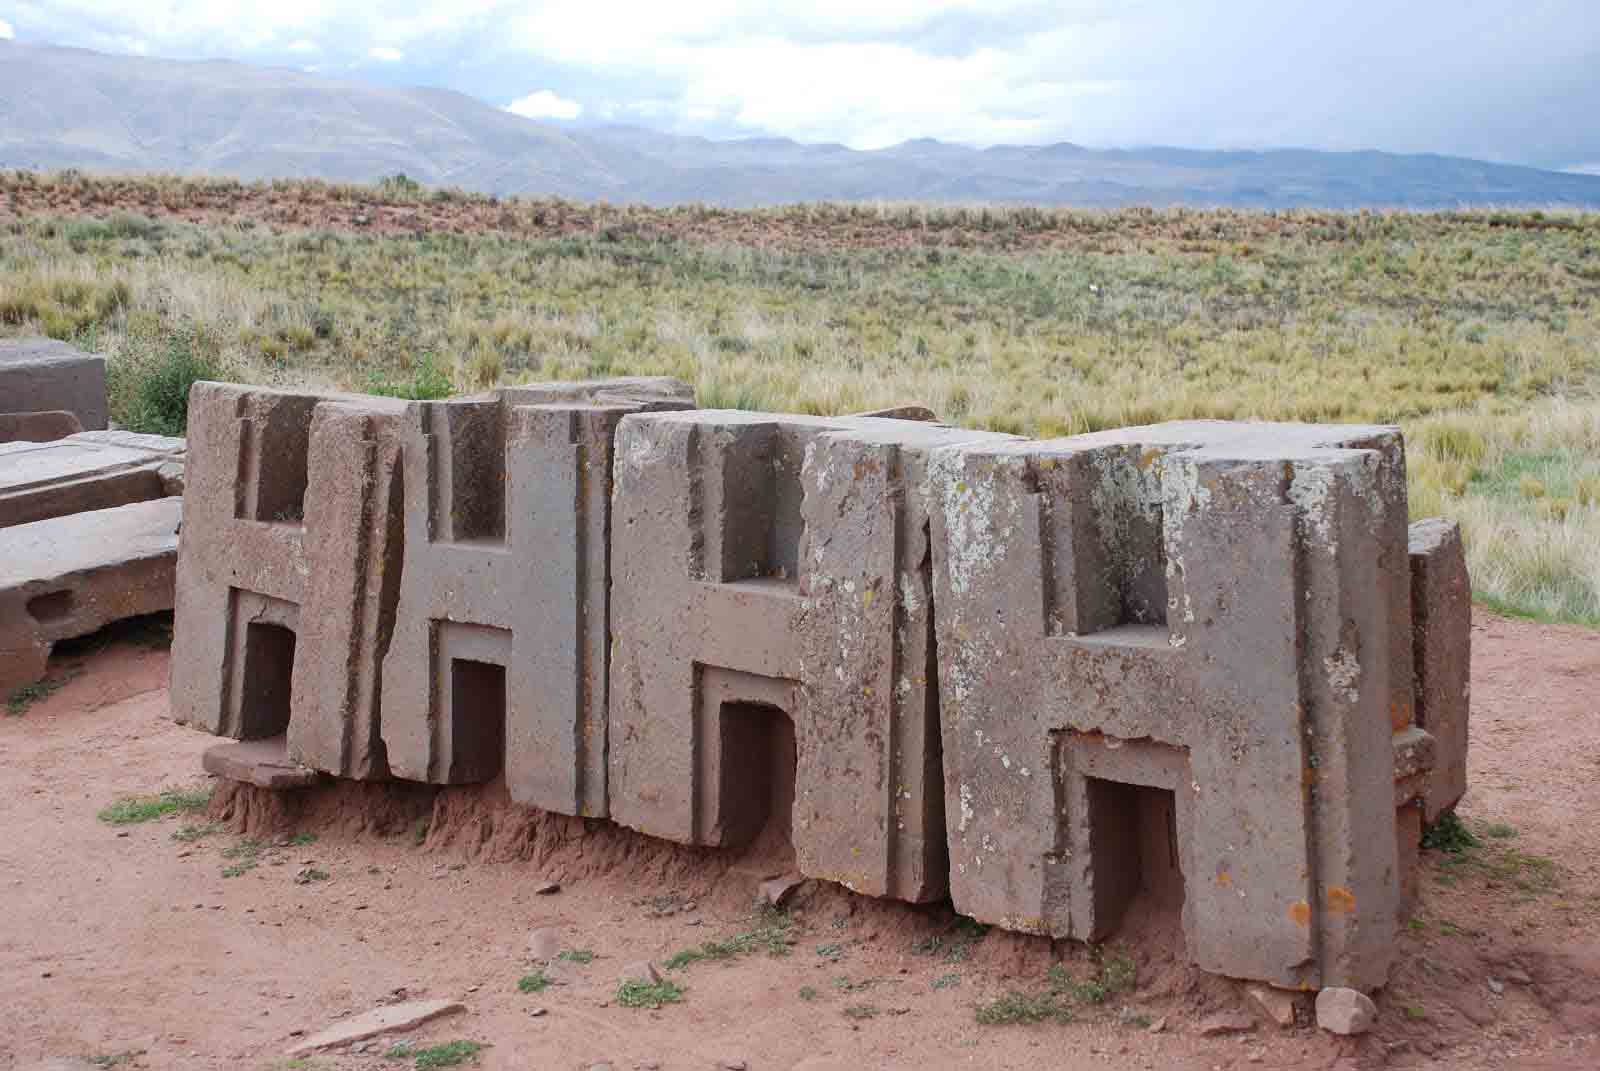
<point x="41" y="373"/>
<point x="500" y="652"/>
<point x="1192" y="634"/>
<point x="42" y="427"/>
<point x="264" y="763"/>
<point x="86" y="471"/>
<point x="68" y="576"/>
<point x="772" y="661"/>
<point x="1441" y="613"/>
<point x="384" y="1020"/>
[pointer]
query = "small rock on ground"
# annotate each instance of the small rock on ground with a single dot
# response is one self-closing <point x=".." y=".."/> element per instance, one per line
<point x="1275" y="1004"/>
<point x="381" y="1020"/>
<point x="546" y="888"/>
<point x="642" y="972"/>
<point x="775" y="891"/>
<point x="1235" y="1022"/>
<point x="544" y="943"/>
<point x="1345" y="1011"/>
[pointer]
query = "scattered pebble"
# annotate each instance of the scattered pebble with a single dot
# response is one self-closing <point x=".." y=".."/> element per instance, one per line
<point x="547" y="888"/>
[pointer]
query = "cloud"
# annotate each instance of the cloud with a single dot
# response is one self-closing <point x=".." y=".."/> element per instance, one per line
<point x="545" y="105"/>
<point x="6" y="32"/>
<point x="302" y="45"/>
<point x="1450" y="76"/>
<point x="1585" y="169"/>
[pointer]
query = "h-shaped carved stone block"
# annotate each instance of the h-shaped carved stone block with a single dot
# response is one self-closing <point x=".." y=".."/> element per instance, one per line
<point x="1176" y="657"/>
<point x="286" y="570"/>
<point x="499" y="657"/>
<point x="773" y="660"/>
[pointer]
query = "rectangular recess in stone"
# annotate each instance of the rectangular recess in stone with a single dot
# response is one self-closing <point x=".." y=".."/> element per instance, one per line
<point x="506" y="517"/>
<point x="1278" y="663"/>
<point x="766" y="562"/>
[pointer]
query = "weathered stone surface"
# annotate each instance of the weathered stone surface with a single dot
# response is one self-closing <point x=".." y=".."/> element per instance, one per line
<point x="772" y="663"/>
<point x="287" y="571"/>
<point x="1234" y="1022"/>
<point x="1441" y="614"/>
<point x="1345" y="1011"/>
<point x="385" y="1020"/>
<point x="86" y="471"/>
<point x="500" y="651"/>
<point x="544" y="943"/>
<point x="41" y="427"/>
<point x="1151" y="641"/>
<point x="263" y="763"/>
<point x="68" y="576"/>
<point x="40" y="373"/>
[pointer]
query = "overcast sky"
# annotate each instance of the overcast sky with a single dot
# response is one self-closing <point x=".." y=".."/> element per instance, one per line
<point x="1502" y="80"/>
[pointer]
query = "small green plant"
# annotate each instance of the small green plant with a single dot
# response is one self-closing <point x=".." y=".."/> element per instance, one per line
<point x="309" y="875"/>
<point x="534" y="982"/>
<point x="808" y="992"/>
<point x="1021" y="1008"/>
<point x="190" y="834"/>
<point x="132" y="810"/>
<point x="18" y="702"/>
<point x="116" y="1059"/>
<point x="1449" y="834"/>
<point x="300" y="840"/>
<point x="770" y="933"/>
<point x="419" y="832"/>
<point x="1416" y="925"/>
<point x="1137" y="1020"/>
<point x="428" y="382"/>
<point x="830" y="951"/>
<point x="577" y="955"/>
<point x="1499" y="831"/>
<point x="450" y="1054"/>
<point x="160" y="389"/>
<point x="956" y="944"/>
<point x="861" y="1011"/>
<point x="245" y="856"/>
<point x="1416" y="1011"/>
<point x="947" y="981"/>
<point x="641" y="994"/>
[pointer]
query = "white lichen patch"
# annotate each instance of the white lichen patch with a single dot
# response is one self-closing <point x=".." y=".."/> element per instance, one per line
<point x="967" y="813"/>
<point x="911" y="594"/>
<point x="1183" y="492"/>
<point x="1344" y="674"/>
<point x="969" y="504"/>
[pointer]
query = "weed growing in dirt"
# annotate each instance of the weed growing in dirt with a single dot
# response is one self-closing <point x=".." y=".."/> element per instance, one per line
<point x="245" y="855"/>
<point x="638" y="994"/>
<point x="533" y="982"/>
<point x="419" y="832"/>
<point x="1499" y="831"/>
<point x="300" y="840"/>
<point x="947" y="981"/>
<point x="808" y="992"/>
<point x="954" y="945"/>
<point x="1449" y="834"/>
<point x="190" y="834"/>
<point x="132" y="810"/>
<point x="770" y="933"/>
<point x="18" y="702"/>
<point x="450" y="1054"/>
<point x="1416" y="1011"/>
<point x="1115" y="974"/>
<point x="861" y="1011"/>
<point x="577" y="955"/>
<point x="116" y="1059"/>
<point x="310" y="874"/>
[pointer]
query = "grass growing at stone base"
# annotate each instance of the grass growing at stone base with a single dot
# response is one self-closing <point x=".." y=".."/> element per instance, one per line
<point x="769" y="933"/>
<point x="1058" y="1002"/>
<point x="1478" y="332"/>
<point x="18" y="702"/>
<point x="132" y="810"/>
<point x="435" y="1057"/>
<point x="533" y="982"/>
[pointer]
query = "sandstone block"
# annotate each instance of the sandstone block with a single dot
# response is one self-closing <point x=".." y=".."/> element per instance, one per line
<point x="1441" y="614"/>
<point x="86" y="471"/>
<point x="37" y="374"/>
<point x="42" y="427"/>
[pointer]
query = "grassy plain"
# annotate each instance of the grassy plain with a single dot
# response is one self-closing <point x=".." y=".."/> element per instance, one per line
<point x="1478" y="332"/>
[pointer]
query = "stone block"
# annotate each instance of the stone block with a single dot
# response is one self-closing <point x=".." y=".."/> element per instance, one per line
<point x="68" y="576"/>
<point x="500" y="654"/>
<point x="37" y="374"/>
<point x="1441" y="615"/>
<point x="41" y="427"/>
<point x="1171" y="661"/>
<point x="264" y="763"/>
<point x="772" y="649"/>
<point x="288" y="571"/>
<point x="89" y="470"/>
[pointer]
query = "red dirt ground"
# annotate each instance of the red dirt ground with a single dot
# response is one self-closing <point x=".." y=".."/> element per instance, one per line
<point x="124" y="943"/>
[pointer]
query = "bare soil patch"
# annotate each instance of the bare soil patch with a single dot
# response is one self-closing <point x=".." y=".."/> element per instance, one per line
<point x="219" y="939"/>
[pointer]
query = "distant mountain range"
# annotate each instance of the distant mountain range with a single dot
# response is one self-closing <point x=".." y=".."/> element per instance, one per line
<point x="65" y="107"/>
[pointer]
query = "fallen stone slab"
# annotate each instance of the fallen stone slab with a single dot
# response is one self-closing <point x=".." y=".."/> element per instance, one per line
<point x="87" y="471"/>
<point x="68" y="576"/>
<point x="385" y="1020"/>
<point x="263" y="763"/>
<point x="1345" y="1011"/>
<point x="41" y="373"/>
<point x="38" y="427"/>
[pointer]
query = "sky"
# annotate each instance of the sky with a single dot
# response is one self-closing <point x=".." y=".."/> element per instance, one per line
<point x="1512" y="82"/>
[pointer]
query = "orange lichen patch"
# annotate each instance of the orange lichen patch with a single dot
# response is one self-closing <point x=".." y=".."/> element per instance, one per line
<point x="1341" y="901"/>
<point x="1300" y="912"/>
<point x="1224" y="878"/>
<point x="1399" y="716"/>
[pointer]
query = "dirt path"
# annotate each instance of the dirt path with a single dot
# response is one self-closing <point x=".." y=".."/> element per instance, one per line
<point x="124" y="940"/>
